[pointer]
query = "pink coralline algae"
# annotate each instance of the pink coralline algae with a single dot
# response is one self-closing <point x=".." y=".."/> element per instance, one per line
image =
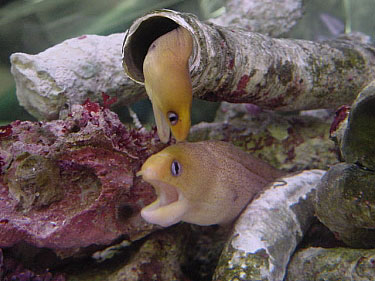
<point x="68" y="184"/>
<point x="5" y="131"/>
<point x="341" y="113"/>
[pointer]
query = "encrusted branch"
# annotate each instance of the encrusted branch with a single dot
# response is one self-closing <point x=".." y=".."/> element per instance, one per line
<point x="230" y="64"/>
<point x="79" y="68"/>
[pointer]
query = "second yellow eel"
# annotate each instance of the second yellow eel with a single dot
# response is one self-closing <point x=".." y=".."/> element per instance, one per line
<point x="167" y="82"/>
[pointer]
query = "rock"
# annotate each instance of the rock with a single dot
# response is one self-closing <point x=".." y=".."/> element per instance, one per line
<point x="182" y="252"/>
<point x="332" y="264"/>
<point x="345" y="203"/>
<point x="346" y="196"/>
<point x="202" y="249"/>
<point x="34" y="182"/>
<point x="270" y="228"/>
<point x="291" y="142"/>
<point x="69" y="184"/>
<point x="157" y="259"/>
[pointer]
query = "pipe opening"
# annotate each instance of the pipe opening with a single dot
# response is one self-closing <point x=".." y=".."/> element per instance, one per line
<point x="137" y="43"/>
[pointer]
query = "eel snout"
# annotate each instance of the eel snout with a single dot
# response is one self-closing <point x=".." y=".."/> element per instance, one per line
<point x="170" y="205"/>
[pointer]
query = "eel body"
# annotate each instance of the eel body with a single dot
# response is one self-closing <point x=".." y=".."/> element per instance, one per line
<point x="203" y="183"/>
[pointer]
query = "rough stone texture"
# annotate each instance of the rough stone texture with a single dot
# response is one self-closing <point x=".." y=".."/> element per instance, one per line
<point x="332" y="264"/>
<point x="268" y="231"/>
<point x="231" y="64"/>
<point x="291" y="142"/>
<point x="268" y="17"/>
<point x="50" y="82"/>
<point x="345" y="203"/>
<point x="71" y="183"/>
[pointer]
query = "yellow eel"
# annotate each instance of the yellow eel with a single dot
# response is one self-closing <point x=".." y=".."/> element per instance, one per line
<point x="203" y="183"/>
<point x="168" y="84"/>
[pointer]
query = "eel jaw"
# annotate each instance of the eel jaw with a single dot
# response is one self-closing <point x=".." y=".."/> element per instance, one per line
<point x="169" y="208"/>
<point x="162" y="124"/>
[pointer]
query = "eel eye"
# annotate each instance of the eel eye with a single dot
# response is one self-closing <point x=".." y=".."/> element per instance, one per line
<point x="176" y="168"/>
<point x="172" y="117"/>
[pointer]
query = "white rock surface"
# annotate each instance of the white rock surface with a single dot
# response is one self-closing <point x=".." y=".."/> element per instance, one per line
<point x="269" y="230"/>
<point x="265" y="16"/>
<point x="50" y="82"/>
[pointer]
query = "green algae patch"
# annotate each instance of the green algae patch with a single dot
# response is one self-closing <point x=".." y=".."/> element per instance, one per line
<point x="238" y="265"/>
<point x="279" y="131"/>
<point x="35" y="181"/>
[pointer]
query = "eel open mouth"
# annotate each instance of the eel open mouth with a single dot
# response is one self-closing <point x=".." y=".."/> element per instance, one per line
<point x="169" y="207"/>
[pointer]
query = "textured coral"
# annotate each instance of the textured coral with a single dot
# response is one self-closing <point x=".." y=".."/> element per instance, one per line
<point x="71" y="183"/>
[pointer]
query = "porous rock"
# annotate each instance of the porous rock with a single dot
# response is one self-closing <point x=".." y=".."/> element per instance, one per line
<point x="69" y="184"/>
